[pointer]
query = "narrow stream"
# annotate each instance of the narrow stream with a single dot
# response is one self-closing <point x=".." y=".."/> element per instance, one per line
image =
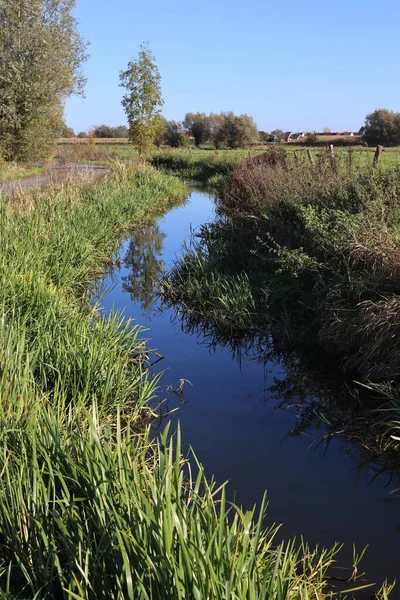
<point x="230" y="416"/>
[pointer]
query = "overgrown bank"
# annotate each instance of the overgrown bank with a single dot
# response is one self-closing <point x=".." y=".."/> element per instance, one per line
<point x="90" y="507"/>
<point x="307" y="252"/>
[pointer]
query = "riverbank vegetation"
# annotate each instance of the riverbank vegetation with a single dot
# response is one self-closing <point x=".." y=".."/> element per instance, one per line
<point x="91" y="504"/>
<point x="308" y="251"/>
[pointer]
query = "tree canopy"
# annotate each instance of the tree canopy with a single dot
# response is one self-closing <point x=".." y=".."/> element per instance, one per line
<point x="382" y="127"/>
<point x="143" y="101"/>
<point x="41" y="53"/>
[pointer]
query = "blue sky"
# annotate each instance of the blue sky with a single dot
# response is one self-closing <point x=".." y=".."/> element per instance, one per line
<point x="291" y="64"/>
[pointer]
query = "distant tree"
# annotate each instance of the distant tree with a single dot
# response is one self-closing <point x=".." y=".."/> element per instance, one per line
<point x="105" y="131"/>
<point x="199" y="125"/>
<point x="264" y="136"/>
<point x="176" y="136"/>
<point x="82" y="134"/>
<point x="217" y="131"/>
<point x="143" y="101"/>
<point x="382" y="127"/>
<point x="279" y="133"/>
<point x="240" y="131"/>
<point x="41" y="53"/>
<point x="326" y="130"/>
<point x="121" y="131"/>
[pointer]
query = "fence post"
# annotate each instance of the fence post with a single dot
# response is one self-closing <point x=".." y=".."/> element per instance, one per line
<point x="310" y="156"/>
<point x="332" y="157"/>
<point x="377" y="156"/>
<point x="350" y="160"/>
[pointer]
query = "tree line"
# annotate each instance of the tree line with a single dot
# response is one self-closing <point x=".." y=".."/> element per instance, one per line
<point x="221" y="130"/>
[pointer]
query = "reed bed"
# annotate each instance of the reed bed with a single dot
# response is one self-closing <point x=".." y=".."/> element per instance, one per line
<point x="92" y="503"/>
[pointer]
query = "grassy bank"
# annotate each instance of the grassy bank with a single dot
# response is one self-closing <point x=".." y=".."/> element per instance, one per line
<point x="92" y="506"/>
<point x="14" y="171"/>
<point x="308" y="252"/>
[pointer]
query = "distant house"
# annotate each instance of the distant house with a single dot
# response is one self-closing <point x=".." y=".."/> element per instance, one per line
<point x="294" y="137"/>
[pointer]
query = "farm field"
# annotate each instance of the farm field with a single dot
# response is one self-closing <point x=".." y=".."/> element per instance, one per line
<point x="105" y="149"/>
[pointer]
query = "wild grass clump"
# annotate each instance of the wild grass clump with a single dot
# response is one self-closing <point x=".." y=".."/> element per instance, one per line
<point x="90" y="508"/>
<point x="320" y="249"/>
<point x="54" y="244"/>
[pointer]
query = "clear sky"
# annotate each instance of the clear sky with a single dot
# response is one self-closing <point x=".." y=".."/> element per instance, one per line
<point x="291" y="64"/>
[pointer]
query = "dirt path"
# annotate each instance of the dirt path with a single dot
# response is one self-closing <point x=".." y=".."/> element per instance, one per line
<point x="56" y="173"/>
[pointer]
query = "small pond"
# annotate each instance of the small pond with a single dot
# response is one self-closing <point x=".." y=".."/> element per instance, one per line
<point x="238" y="415"/>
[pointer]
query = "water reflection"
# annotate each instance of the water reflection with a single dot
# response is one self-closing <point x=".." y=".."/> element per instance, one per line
<point x="145" y="265"/>
<point x="326" y="404"/>
<point x="254" y="425"/>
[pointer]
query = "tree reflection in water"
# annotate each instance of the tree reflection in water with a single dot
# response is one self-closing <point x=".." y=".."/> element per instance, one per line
<point x="145" y="267"/>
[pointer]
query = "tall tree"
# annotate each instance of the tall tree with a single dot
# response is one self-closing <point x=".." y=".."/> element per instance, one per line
<point x="239" y="131"/>
<point x="199" y="125"/>
<point x="143" y="101"/>
<point x="41" y="53"/>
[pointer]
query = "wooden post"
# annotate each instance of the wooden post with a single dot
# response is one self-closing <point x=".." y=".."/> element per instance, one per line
<point x="332" y="157"/>
<point x="350" y="160"/>
<point x="310" y="156"/>
<point x="377" y="156"/>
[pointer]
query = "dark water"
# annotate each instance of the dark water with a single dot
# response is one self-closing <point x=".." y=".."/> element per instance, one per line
<point x="231" y="417"/>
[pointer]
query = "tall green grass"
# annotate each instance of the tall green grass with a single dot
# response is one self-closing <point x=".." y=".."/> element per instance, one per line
<point x="92" y="504"/>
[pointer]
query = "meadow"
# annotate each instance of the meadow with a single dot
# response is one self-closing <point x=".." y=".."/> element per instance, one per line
<point x="92" y="502"/>
<point x="107" y="148"/>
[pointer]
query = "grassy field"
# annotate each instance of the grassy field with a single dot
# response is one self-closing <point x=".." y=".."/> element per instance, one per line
<point x="92" y="505"/>
<point x="104" y="150"/>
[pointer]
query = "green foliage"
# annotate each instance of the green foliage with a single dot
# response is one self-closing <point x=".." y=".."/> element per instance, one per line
<point x="82" y="134"/>
<point x="238" y="131"/>
<point x="264" y="136"/>
<point x="161" y="131"/>
<point x="202" y="168"/>
<point x="41" y="53"/>
<point x="382" y="127"/>
<point x="143" y="101"/>
<point x="63" y="131"/>
<point x="105" y="131"/>
<point x="320" y="252"/>
<point x="199" y="125"/>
